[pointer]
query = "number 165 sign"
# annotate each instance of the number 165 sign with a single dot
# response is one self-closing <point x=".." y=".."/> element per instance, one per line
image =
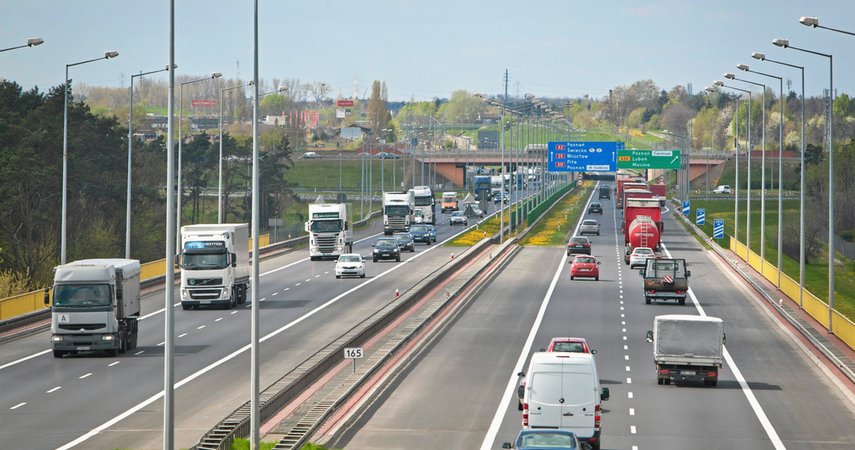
<point x="353" y="353"/>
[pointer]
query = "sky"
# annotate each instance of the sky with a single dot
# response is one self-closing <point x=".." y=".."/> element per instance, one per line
<point x="429" y="49"/>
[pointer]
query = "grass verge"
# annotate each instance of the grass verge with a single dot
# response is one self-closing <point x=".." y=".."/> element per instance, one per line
<point x="553" y="229"/>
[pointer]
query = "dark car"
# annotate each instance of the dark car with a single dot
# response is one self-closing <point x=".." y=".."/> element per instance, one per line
<point x="422" y="233"/>
<point x="605" y="192"/>
<point x="578" y="244"/>
<point x="595" y="208"/>
<point x="386" y="248"/>
<point x="405" y="241"/>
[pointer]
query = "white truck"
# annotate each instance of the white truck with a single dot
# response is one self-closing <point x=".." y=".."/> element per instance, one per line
<point x="96" y="306"/>
<point x="214" y="265"/>
<point x="496" y="185"/>
<point x="687" y="348"/>
<point x="424" y="210"/>
<point x="397" y="211"/>
<point x="329" y="229"/>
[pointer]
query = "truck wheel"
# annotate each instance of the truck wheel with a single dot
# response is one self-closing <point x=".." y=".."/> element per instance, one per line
<point x="58" y="353"/>
<point x="646" y="300"/>
<point x="571" y="277"/>
<point x="398" y="259"/>
<point x="659" y="381"/>
<point x="597" y="278"/>
<point x="123" y="343"/>
<point x="338" y="276"/>
<point x="350" y="248"/>
<point x="134" y="336"/>
<point x="185" y="307"/>
<point x="428" y="242"/>
<point x="667" y="381"/>
<point x="682" y="301"/>
<point x="112" y="352"/>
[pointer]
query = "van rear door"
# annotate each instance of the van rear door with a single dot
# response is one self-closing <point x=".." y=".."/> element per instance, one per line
<point x="578" y="402"/>
<point x="545" y="386"/>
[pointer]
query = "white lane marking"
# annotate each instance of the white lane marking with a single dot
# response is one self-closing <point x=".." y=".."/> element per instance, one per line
<point x="623" y="322"/>
<point x="246" y="347"/>
<point x="490" y="437"/>
<point x="233" y="312"/>
<point x="628" y="380"/>
<point x="623" y="330"/>
<point x="200" y="327"/>
<point x="298" y="284"/>
<point x="51" y="391"/>
<point x="629" y="394"/>
<point x="161" y="344"/>
<point x="626" y="347"/>
<point x="316" y="276"/>
<point x="182" y="335"/>
<point x="627" y="368"/>
<point x="286" y="289"/>
<point x="113" y="364"/>
<point x="326" y="272"/>
<point x="275" y="293"/>
<point x="749" y="394"/>
<point x="308" y="279"/>
<point x="634" y="447"/>
<point x="218" y="319"/>
<point x="18" y="405"/>
<point x="85" y="376"/>
<point x="624" y="338"/>
<point x="26" y="358"/>
<point x="632" y="429"/>
<point x="631" y="411"/>
<point x="622" y="315"/>
<point x="139" y="352"/>
<point x="626" y="357"/>
<point x="621" y="308"/>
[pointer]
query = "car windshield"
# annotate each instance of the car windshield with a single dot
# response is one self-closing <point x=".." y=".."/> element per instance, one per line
<point x="402" y="237"/>
<point x="82" y="295"/>
<point x="642" y="251"/>
<point x="349" y="258"/>
<point x="418" y="228"/>
<point x="589" y="222"/>
<point x="204" y="261"/>
<point x="586" y="260"/>
<point x="457" y="213"/>
<point x="595" y="205"/>
<point x="579" y="240"/>
<point x="573" y="347"/>
<point x="547" y="440"/>
<point x="386" y="243"/>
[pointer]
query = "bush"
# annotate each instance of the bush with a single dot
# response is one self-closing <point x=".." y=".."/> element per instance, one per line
<point x="13" y="283"/>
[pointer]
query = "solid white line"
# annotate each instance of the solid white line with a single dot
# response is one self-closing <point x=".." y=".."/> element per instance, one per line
<point x="113" y="364"/>
<point x="18" y="405"/>
<point x="749" y="394"/>
<point x="26" y="358"/>
<point x="237" y="352"/>
<point x="85" y="376"/>
<point x="53" y="390"/>
<point x="490" y="437"/>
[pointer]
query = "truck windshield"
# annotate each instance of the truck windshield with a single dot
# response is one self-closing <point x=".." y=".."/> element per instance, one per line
<point x="204" y="261"/>
<point x="397" y="210"/>
<point x="82" y="295"/>
<point x="449" y="198"/>
<point x="325" y="226"/>
<point x="424" y="201"/>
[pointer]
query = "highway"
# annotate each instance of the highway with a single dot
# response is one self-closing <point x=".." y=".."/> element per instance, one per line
<point x="101" y="402"/>
<point x="461" y="393"/>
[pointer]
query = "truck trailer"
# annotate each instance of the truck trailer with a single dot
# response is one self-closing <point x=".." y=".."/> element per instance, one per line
<point x="214" y="265"/>
<point x="687" y="348"/>
<point x="329" y="228"/>
<point x="96" y="306"/>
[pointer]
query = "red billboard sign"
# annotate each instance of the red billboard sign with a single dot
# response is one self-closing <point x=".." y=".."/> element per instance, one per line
<point x="196" y="103"/>
<point x="344" y="103"/>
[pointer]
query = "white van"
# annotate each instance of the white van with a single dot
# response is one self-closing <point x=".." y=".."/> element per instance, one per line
<point x="562" y="391"/>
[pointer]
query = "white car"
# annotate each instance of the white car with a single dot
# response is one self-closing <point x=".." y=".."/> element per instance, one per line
<point x="589" y="226"/>
<point x="458" y="218"/>
<point x="639" y="255"/>
<point x="350" y="264"/>
<point x="723" y="189"/>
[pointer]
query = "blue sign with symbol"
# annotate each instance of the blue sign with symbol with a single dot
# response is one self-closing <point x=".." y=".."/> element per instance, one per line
<point x="700" y="216"/>
<point x="718" y="229"/>
<point x="686" y="208"/>
<point x="582" y="157"/>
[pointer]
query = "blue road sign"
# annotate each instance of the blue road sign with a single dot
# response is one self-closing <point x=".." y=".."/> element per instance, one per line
<point x="700" y="216"/>
<point x="686" y="208"/>
<point x="718" y="229"/>
<point x="582" y="157"/>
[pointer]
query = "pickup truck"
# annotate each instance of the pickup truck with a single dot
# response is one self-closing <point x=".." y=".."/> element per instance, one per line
<point x="665" y="279"/>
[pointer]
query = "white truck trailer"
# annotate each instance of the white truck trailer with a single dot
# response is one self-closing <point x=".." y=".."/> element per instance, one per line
<point x="424" y="210"/>
<point x="397" y="211"/>
<point x="329" y="229"/>
<point x="214" y="265"/>
<point x="96" y="306"/>
<point x="687" y="348"/>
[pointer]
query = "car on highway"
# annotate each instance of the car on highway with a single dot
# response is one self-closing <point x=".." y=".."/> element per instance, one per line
<point x="386" y="248"/>
<point x="723" y="189"/>
<point x="589" y="226"/>
<point x="422" y="233"/>
<point x="458" y="218"/>
<point x="595" y="208"/>
<point x="351" y="264"/>
<point x="570" y="344"/>
<point x="310" y="155"/>
<point x="639" y="255"/>
<point x="578" y="244"/>
<point x="387" y="155"/>
<point x="497" y="198"/>
<point x="405" y="241"/>
<point x="585" y="266"/>
<point x="530" y="439"/>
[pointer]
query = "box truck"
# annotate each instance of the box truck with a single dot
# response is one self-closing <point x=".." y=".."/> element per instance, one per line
<point x="687" y="348"/>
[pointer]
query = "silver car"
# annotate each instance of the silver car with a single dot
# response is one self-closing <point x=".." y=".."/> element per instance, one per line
<point x="589" y="226"/>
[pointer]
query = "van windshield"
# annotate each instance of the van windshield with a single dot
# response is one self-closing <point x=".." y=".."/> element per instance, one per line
<point x="82" y="295"/>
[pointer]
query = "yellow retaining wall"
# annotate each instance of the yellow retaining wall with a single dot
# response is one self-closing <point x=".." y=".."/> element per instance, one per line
<point x="842" y="327"/>
<point x="33" y="301"/>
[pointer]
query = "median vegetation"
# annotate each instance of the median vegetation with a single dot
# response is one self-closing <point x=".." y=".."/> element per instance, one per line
<point x="553" y="228"/>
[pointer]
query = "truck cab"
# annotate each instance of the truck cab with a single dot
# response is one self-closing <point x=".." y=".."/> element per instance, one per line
<point x="449" y="202"/>
<point x="665" y="279"/>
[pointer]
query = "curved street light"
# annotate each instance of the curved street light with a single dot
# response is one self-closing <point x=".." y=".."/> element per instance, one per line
<point x="31" y="42"/>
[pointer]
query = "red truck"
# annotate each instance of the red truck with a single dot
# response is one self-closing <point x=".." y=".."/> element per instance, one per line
<point x="623" y="185"/>
<point x="640" y="232"/>
<point x="631" y="190"/>
<point x="659" y="191"/>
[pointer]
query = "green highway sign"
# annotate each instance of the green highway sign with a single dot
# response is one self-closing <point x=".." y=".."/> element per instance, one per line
<point x="648" y="159"/>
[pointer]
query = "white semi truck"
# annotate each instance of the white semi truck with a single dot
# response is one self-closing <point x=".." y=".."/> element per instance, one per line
<point x="397" y="211"/>
<point x="214" y="265"/>
<point x="687" y="348"/>
<point x="329" y="229"/>
<point x="96" y="306"/>
<point x="424" y="210"/>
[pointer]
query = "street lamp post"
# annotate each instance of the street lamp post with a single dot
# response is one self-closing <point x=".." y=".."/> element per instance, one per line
<point x="812" y="21"/>
<point x="62" y="246"/>
<point x="130" y="152"/>
<point x="180" y="141"/>
<point x="762" y="57"/>
<point x="220" y="164"/>
<point x="748" y="189"/>
<point x="780" y="160"/>
<point x="31" y="42"/>
<point x="762" y="165"/>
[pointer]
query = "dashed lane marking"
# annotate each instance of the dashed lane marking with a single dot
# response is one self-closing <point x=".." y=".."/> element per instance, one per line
<point x="18" y="405"/>
<point x="51" y="391"/>
<point x="85" y="375"/>
<point x="182" y="335"/>
<point x="113" y="363"/>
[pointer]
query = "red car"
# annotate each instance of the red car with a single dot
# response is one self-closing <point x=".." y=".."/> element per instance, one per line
<point x="585" y="266"/>
<point x="569" y="344"/>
